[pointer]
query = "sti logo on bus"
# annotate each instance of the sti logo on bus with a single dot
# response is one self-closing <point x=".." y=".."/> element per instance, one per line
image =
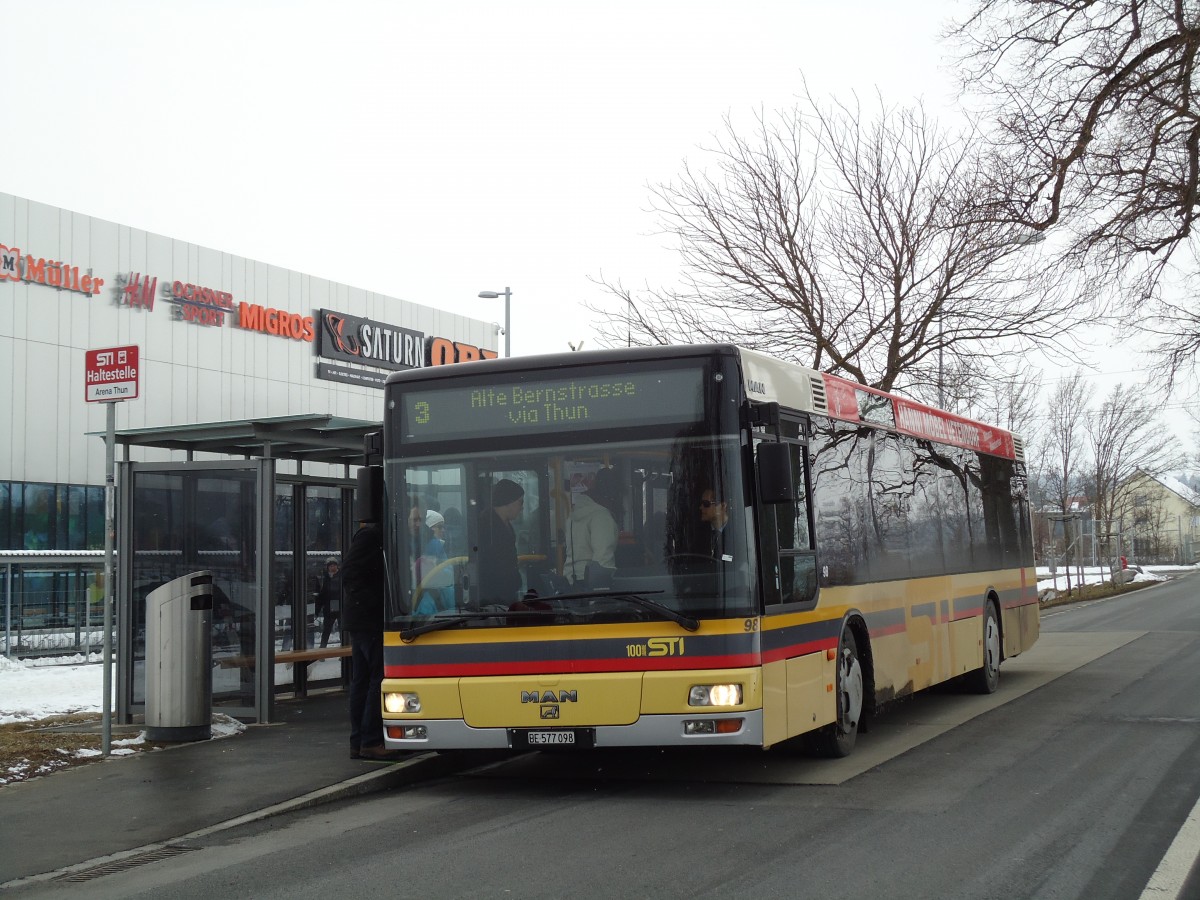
<point x="664" y="646"/>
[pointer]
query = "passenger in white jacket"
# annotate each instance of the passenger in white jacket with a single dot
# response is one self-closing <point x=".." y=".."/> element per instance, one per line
<point x="591" y="532"/>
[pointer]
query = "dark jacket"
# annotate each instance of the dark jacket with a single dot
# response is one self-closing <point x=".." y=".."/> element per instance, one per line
<point x="364" y="581"/>
<point x="499" y="577"/>
<point x="329" y="597"/>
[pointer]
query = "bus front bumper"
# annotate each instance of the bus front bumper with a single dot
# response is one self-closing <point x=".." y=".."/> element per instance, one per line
<point x="693" y="729"/>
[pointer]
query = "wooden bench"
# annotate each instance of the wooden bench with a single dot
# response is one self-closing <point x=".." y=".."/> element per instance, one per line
<point x="298" y="658"/>
<point x="284" y="656"/>
<point x="310" y="655"/>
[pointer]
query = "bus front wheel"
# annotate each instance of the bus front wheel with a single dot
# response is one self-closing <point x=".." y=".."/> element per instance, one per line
<point x="986" y="679"/>
<point x="837" y="739"/>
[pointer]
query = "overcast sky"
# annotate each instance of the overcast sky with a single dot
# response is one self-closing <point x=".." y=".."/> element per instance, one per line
<point x="426" y="151"/>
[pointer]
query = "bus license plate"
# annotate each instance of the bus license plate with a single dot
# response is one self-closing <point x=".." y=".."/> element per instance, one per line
<point x="553" y="737"/>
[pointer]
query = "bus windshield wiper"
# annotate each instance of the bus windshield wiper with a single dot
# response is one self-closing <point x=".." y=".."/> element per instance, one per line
<point x="408" y="635"/>
<point x="640" y="599"/>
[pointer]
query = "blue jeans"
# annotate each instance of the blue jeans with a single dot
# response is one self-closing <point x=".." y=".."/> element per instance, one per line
<point x="366" y="680"/>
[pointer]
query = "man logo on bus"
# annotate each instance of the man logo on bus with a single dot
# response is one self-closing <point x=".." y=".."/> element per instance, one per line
<point x="549" y="697"/>
<point x="550" y="711"/>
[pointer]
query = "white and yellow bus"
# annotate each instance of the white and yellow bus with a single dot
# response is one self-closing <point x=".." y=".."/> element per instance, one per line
<point x="788" y="550"/>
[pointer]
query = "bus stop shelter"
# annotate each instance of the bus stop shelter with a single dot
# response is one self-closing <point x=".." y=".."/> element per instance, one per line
<point x="264" y="518"/>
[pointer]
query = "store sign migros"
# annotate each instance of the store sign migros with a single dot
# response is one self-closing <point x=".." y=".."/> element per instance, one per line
<point x="61" y="276"/>
<point x="199" y="305"/>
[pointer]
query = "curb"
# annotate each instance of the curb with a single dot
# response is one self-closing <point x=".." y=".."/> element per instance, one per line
<point x="422" y="766"/>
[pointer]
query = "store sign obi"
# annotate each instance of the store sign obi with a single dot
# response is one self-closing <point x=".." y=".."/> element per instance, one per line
<point x="35" y="270"/>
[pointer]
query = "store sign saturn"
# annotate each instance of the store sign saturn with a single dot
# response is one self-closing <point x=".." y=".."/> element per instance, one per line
<point x="353" y="339"/>
<point x="366" y="342"/>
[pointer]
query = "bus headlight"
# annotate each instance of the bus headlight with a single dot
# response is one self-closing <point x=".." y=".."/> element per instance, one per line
<point x="715" y="695"/>
<point x="402" y="702"/>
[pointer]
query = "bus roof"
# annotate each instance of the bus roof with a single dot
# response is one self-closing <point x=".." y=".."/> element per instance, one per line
<point x="796" y="387"/>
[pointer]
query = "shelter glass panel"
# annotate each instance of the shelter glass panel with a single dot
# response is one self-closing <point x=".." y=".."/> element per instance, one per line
<point x="194" y="521"/>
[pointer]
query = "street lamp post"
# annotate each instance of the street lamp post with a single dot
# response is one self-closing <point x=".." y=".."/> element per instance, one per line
<point x="507" y="295"/>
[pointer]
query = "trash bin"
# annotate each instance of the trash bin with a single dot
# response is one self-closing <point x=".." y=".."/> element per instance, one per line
<point x="179" y="659"/>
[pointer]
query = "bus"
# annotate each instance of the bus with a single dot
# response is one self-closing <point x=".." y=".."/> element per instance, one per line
<point x="788" y="551"/>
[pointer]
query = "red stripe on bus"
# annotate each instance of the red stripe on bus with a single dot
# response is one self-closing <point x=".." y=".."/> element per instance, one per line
<point x="780" y="653"/>
<point x="571" y="666"/>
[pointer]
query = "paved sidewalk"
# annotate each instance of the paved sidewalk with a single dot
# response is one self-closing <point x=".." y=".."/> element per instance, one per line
<point x="124" y="803"/>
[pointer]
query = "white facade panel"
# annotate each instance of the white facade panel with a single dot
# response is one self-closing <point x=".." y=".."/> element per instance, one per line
<point x="8" y="400"/>
<point x="200" y="360"/>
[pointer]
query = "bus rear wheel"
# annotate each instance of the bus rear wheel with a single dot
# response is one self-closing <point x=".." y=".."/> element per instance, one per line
<point x="986" y="679"/>
<point x="837" y="739"/>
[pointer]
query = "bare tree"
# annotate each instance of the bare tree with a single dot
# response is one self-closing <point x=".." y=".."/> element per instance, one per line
<point x="1098" y="129"/>
<point x="1124" y="439"/>
<point x="849" y="245"/>
<point x="1062" y="452"/>
<point x="998" y="394"/>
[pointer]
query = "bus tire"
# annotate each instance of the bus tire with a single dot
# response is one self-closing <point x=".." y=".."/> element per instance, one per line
<point x="986" y="679"/>
<point x="836" y="740"/>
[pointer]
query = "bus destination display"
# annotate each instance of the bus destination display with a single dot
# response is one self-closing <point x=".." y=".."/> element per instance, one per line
<point x="617" y="400"/>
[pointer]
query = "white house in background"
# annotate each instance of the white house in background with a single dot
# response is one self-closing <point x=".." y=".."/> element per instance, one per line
<point x="1160" y="522"/>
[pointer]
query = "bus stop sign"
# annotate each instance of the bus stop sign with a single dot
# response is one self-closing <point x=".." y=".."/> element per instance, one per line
<point x="111" y="374"/>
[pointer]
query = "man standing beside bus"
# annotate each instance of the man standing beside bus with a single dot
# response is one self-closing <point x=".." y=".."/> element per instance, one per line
<point x="364" y="584"/>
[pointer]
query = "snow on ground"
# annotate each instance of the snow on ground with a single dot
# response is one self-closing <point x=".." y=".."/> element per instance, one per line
<point x="50" y="686"/>
<point x="33" y="689"/>
<point x="1100" y="574"/>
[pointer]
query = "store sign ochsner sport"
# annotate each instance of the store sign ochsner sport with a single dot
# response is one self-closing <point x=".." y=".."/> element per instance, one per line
<point x="200" y="305"/>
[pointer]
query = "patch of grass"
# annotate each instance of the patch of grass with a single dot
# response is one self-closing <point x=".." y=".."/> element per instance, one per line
<point x="1095" y="592"/>
<point x="33" y="749"/>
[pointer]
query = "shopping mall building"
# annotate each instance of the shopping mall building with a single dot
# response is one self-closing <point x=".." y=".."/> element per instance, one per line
<point x="231" y="374"/>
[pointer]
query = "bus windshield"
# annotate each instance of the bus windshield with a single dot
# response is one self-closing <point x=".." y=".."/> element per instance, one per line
<point x="571" y="533"/>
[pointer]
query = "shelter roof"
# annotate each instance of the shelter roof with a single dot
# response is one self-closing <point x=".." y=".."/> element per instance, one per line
<point x="308" y="438"/>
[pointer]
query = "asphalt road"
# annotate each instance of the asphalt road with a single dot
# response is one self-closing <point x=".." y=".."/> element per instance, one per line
<point x="1075" y="784"/>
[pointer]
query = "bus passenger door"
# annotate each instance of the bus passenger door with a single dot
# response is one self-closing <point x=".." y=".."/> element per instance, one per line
<point x="793" y="698"/>
<point x="789" y="570"/>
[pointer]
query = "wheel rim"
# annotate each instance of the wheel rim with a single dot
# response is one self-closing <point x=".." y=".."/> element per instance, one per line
<point x="852" y="691"/>
<point x="991" y="645"/>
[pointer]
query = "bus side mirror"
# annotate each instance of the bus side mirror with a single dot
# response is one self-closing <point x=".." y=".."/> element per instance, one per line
<point x="368" y="495"/>
<point x="775" y="474"/>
